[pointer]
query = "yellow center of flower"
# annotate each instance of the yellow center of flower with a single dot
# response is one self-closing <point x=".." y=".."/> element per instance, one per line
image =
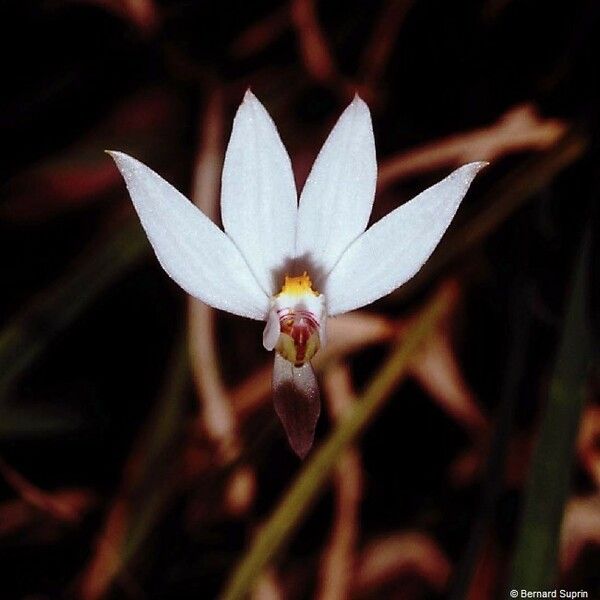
<point x="297" y="286"/>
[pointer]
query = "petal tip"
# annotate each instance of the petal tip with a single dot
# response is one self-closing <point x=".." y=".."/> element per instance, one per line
<point x="470" y="170"/>
<point x="251" y="106"/>
<point x="114" y="154"/>
<point x="249" y="96"/>
<point x="359" y="104"/>
<point x="301" y="453"/>
<point x="120" y="157"/>
<point x="478" y="165"/>
<point x="301" y="445"/>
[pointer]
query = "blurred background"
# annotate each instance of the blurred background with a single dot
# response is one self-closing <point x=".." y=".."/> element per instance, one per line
<point x="139" y="451"/>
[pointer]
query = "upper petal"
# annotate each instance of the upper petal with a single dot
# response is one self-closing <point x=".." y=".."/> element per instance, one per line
<point x="189" y="246"/>
<point x="391" y="251"/>
<point x="337" y="198"/>
<point x="258" y="194"/>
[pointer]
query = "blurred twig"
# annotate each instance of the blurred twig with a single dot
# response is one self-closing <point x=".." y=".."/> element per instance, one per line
<point x="217" y="417"/>
<point x="536" y="554"/>
<point x="262" y="33"/>
<point x="383" y="39"/>
<point x="314" y="48"/>
<point x="315" y="474"/>
<point x="47" y="517"/>
<point x="402" y="553"/>
<point x="580" y="529"/>
<point x="80" y="174"/>
<point x="315" y="52"/>
<point x="437" y="369"/>
<point x="144" y="15"/>
<point x="268" y="587"/>
<point x="588" y="448"/>
<point x="519" y="129"/>
<point x="63" y="506"/>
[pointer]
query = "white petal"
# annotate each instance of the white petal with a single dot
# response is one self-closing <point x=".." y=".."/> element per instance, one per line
<point x="272" y="330"/>
<point x="297" y="403"/>
<point x="395" y="248"/>
<point x="190" y="247"/>
<point x="258" y="194"/>
<point x="337" y="198"/>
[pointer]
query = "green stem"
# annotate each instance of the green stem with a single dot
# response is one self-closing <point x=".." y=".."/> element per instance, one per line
<point x="536" y="555"/>
<point x="286" y="517"/>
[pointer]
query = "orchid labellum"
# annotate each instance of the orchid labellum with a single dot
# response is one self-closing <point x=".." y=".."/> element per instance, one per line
<point x="289" y="263"/>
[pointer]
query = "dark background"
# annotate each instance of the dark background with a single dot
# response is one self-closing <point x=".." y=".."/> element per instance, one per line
<point x="92" y="327"/>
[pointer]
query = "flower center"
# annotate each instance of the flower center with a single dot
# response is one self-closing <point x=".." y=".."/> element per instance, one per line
<point x="300" y="310"/>
<point x="297" y="286"/>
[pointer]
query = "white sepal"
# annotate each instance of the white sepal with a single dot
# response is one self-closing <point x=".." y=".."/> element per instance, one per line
<point x="391" y="251"/>
<point x="258" y="194"/>
<point x="337" y="198"/>
<point x="189" y="246"/>
<point x="297" y="403"/>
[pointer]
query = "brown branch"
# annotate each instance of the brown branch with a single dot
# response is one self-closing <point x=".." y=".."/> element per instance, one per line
<point x="407" y="553"/>
<point x="588" y="442"/>
<point x="315" y="52"/>
<point x="520" y="129"/>
<point x="437" y="369"/>
<point x="268" y="587"/>
<point x="62" y="506"/>
<point x="314" y="49"/>
<point x="580" y="529"/>
<point x="216" y="416"/>
<point x="144" y="15"/>
<point x="385" y="32"/>
<point x="262" y="33"/>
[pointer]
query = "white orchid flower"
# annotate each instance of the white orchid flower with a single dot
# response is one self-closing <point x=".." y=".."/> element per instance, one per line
<point x="293" y="264"/>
